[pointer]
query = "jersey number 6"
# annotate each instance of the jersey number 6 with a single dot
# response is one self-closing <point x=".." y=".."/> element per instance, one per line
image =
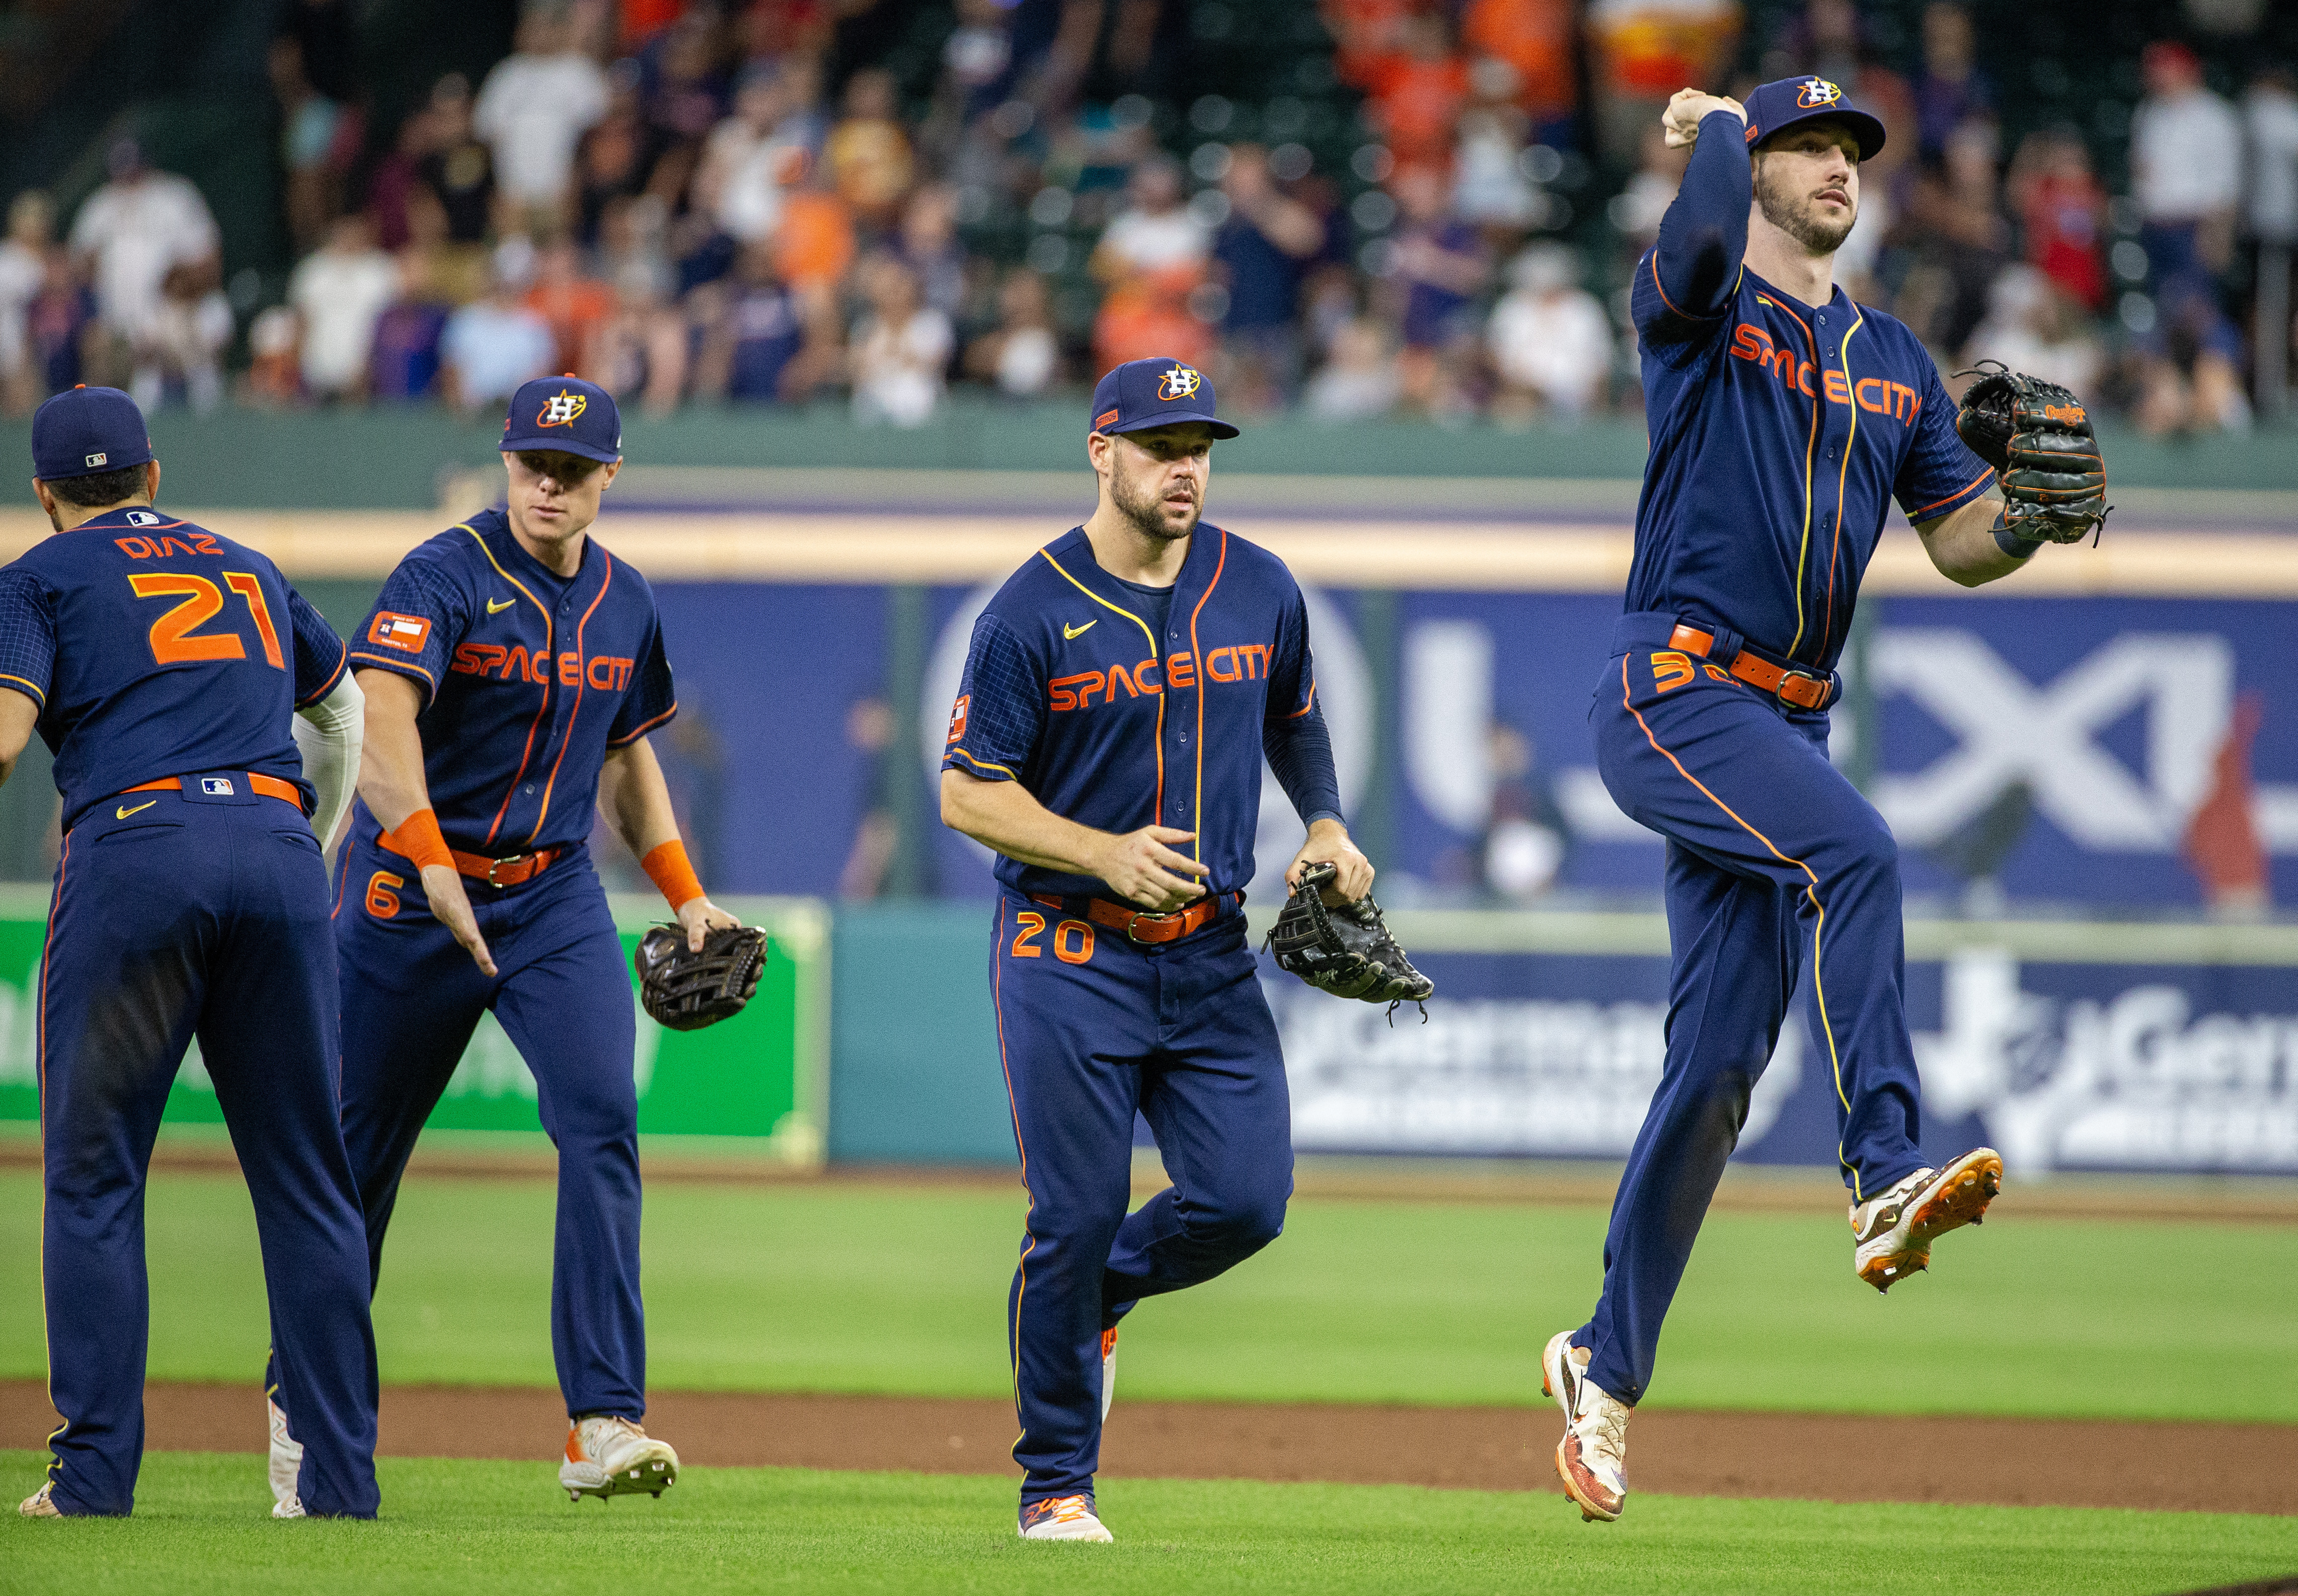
<point x="202" y="601"/>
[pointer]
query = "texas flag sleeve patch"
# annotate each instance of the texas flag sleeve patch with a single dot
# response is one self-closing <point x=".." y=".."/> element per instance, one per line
<point x="406" y="633"/>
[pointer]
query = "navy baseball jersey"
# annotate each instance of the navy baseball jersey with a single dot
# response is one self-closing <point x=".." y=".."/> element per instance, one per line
<point x="189" y="653"/>
<point x="1069" y="690"/>
<point x="528" y="679"/>
<point x="1781" y="431"/>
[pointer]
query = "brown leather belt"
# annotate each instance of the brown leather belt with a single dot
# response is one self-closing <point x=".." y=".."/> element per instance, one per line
<point x="1138" y="924"/>
<point x="495" y="872"/>
<point x="1787" y="683"/>
<point x="269" y="786"/>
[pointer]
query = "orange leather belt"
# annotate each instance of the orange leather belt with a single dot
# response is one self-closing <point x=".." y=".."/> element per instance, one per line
<point x="269" y="786"/>
<point x="495" y="872"/>
<point x="1786" y="683"/>
<point x="1139" y="924"/>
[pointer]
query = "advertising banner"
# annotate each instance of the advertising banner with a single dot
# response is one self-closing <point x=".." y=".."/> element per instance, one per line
<point x="2072" y="1046"/>
<point x="758" y="1076"/>
<point x="2047" y="749"/>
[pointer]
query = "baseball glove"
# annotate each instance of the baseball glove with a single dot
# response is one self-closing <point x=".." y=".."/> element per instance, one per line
<point x="2038" y="438"/>
<point x="686" y="990"/>
<point x="1346" y="952"/>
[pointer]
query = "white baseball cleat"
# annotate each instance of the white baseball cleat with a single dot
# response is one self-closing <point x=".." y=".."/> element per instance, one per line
<point x="41" y="1503"/>
<point x="1892" y="1234"/>
<point x="290" y="1506"/>
<point x="1108" y="1370"/>
<point x="286" y="1460"/>
<point x="1063" y="1518"/>
<point x="613" y="1457"/>
<point x="1592" y="1458"/>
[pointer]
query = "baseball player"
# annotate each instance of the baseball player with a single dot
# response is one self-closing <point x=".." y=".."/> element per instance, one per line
<point x="1120" y="693"/>
<point x="166" y="667"/>
<point x="1783" y="418"/>
<point x="513" y="669"/>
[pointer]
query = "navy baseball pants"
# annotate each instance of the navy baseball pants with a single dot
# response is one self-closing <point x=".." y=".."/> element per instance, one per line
<point x="1774" y="861"/>
<point x="411" y="998"/>
<point x="179" y="914"/>
<point x="1091" y="1028"/>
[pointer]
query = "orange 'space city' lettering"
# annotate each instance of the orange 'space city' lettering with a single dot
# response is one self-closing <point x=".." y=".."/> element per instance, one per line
<point x="1243" y="661"/>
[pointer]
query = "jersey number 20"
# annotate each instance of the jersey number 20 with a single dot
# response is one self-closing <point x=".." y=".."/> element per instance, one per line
<point x="173" y="642"/>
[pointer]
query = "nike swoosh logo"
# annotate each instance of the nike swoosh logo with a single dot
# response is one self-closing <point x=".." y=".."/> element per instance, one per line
<point x="1077" y="631"/>
<point x="123" y="811"/>
<point x="496" y="609"/>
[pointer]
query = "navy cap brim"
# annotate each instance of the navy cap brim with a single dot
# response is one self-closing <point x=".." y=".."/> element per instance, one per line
<point x="1174" y="418"/>
<point x="1863" y="127"/>
<point x="560" y="442"/>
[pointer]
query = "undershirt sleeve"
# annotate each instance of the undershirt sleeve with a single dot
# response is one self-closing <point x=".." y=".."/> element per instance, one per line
<point x="1294" y="736"/>
<point x="1684" y="283"/>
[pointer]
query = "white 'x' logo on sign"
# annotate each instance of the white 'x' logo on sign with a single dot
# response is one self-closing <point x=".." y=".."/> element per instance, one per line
<point x="2012" y="730"/>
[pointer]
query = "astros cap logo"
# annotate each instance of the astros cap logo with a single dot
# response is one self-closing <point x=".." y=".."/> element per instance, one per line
<point x="560" y="409"/>
<point x="1178" y="382"/>
<point x="1818" y="91"/>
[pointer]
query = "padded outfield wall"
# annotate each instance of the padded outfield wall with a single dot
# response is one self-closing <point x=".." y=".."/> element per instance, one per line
<point x="2038" y="748"/>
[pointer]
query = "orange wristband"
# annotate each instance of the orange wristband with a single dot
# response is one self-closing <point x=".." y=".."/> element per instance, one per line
<point x="666" y="867"/>
<point x="417" y="837"/>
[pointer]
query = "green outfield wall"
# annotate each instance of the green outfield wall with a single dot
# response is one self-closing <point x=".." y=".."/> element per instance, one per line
<point x="756" y="1083"/>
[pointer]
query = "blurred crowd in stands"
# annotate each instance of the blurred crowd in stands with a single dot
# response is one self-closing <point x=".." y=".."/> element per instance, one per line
<point x="1435" y="217"/>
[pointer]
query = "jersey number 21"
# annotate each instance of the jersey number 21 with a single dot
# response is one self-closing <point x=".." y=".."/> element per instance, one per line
<point x="201" y="601"/>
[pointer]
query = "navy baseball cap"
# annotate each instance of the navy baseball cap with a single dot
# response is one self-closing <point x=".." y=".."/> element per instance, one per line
<point x="83" y="431"/>
<point x="1141" y="394"/>
<point x="1775" y="107"/>
<point x="564" y="413"/>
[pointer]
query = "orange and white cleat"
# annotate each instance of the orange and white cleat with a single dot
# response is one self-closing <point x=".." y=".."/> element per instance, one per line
<point x="613" y="1457"/>
<point x="1108" y="1370"/>
<point x="1063" y="1518"/>
<point x="1893" y="1233"/>
<point x="1592" y="1458"/>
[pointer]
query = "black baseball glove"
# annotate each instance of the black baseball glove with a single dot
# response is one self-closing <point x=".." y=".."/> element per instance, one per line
<point x="1346" y="952"/>
<point x="686" y="990"/>
<point x="2038" y="438"/>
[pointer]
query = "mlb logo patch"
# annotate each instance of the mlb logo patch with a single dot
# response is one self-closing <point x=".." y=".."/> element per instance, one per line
<point x="957" y="717"/>
<point x="95" y="460"/>
<point x="142" y="518"/>
<point x="406" y="633"/>
<point x="217" y="787"/>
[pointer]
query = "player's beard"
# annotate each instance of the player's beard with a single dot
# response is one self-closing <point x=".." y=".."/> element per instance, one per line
<point x="1798" y="216"/>
<point x="1147" y="510"/>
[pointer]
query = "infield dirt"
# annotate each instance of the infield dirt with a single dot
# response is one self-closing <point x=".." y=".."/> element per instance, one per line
<point x="2021" y="1463"/>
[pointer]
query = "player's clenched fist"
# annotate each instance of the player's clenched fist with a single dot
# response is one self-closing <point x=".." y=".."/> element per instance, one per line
<point x="1143" y="868"/>
<point x="1328" y="843"/>
<point x="1685" y="109"/>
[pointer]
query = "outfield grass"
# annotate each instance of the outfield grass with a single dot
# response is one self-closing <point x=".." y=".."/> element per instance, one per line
<point x="880" y="1290"/>
<point x="201" y="1526"/>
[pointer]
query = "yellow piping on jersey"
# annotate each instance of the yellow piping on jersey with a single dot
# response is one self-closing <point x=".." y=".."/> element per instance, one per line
<point x="1103" y="603"/>
<point x="962" y="752"/>
<point x="1157" y="814"/>
<point x="38" y="697"/>
<point x="549" y="637"/>
<point x="1810" y="451"/>
<point x="1842" y="477"/>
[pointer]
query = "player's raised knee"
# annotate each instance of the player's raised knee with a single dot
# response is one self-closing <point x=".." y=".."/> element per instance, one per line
<point x="1247" y="1221"/>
